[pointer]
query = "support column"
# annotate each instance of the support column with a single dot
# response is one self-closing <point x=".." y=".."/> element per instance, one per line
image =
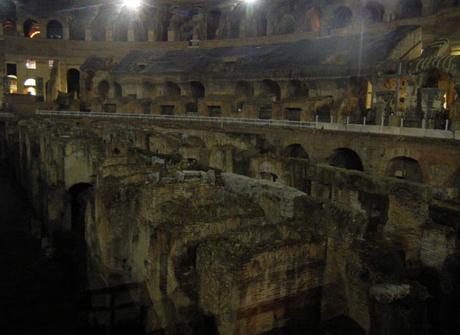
<point x="88" y="35"/>
<point x="131" y="37"/>
<point x="66" y="33"/>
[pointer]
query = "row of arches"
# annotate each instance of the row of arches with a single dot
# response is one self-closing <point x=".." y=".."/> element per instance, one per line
<point x="32" y="29"/>
<point x="240" y="21"/>
<point x="242" y="90"/>
<point x="400" y="167"/>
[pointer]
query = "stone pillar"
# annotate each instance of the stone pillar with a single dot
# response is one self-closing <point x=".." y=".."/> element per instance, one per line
<point x="20" y="28"/>
<point x="172" y="35"/>
<point x="109" y="33"/>
<point x="151" y="35"/>
<point x="66" y="32"/>
<point x="43" y="29"/>
<point x="88" y="35"/>
<point x="131" y="37"/>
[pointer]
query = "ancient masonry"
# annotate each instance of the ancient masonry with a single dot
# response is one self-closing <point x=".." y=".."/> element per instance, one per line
<point x="241" y="167"/>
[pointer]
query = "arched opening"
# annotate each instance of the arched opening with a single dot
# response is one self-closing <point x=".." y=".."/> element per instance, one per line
<point x="342" y="17"/>
<point x="118" y="90"/>
<point x="73" y="82"/>
<point x="100" y="23"/>
<point x="373" y="12"/>
<point x="9" y="28"/>
<point x="54" y="30"/>
<point x="271" y="89"/>
<point x="262" y="25"/>
<point x="235" y="22"/>
<point x="79" y="195"/>
<point x="296" y="89"/>
<point x="76" y="30"/>
<point x="346" y="159"/>
<point x="171" y="89"/>
<point x="287" y="24"/>
<point x="269" y="176"/>
<point x="213" y="24"/>
<point x="405" y="168"/>
<point x="197" y="89"/>
<point x="31" y="28"/>
<point x="410" y="8"/>
<point x="103" y="89"/>
<point x="30" y="86"/>
<point x="296" y="151"/>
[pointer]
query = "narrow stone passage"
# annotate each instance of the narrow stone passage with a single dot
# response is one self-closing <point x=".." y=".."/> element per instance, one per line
<point x="35" y="292"/>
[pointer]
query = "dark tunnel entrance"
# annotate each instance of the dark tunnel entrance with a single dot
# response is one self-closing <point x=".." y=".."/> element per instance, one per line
<point x="79" y="196"/>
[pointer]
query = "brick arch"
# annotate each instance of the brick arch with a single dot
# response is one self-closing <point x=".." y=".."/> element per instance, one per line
<point x="403" y="167"/>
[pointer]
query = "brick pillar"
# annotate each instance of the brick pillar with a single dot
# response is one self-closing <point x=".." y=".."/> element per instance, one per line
<point x="88" y="35"/>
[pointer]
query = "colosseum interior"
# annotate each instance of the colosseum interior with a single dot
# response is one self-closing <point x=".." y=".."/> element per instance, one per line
<point x="231" y="167"/>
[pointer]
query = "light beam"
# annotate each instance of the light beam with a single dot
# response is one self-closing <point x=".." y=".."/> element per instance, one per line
<point x="132" y="4"/>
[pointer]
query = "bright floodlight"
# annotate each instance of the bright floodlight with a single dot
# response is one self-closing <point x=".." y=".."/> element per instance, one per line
<point x="250" y="1"/>
<point x="132" y="4"/>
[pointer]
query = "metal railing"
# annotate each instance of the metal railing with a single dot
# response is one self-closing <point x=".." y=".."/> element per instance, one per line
<point x="222" y="121"/>
<point x="185" y="118"/>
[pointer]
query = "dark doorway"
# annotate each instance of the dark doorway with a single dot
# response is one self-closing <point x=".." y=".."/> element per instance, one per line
<point x="54" y="30"/>
<point x="73" y="82"/>
<point x="346" y="159"/>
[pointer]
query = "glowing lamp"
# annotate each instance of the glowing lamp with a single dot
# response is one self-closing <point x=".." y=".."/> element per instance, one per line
<point x="132" y="4"/>
<point x="250" y="2"/>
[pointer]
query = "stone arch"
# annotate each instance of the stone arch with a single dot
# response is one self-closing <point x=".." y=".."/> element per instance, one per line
<point x="9" y="28"/>
<point x="78" y="201"/>
<point x="171" y="89"/>
<point x="270" y="88"/>
<point x="73" y="81"/>
<point x="262" y="24"/>
<point x="295" y="151"/>
<point x="235" y="19"/>
<point x="79" y="196"/>
<point x="287" y="24"/>
<point x="103" y="89"/>
<point x="410" y="8"/>
<point x="342" y="17"/>
<point x="100" y="23"/>
<point x="31" y="28"/>
<point x="347" y="159"/>
<point x="76" y="30"/>
<point x="406" y="168"/>
<point x="373" y="12"/>
<point x="213" y="22"/>
<point x="54" y="30"/>
<point x="197" y="89"/>
<point x="296" y="89"/>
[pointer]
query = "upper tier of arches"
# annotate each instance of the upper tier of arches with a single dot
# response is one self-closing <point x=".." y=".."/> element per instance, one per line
<point x="167" y="22"/>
